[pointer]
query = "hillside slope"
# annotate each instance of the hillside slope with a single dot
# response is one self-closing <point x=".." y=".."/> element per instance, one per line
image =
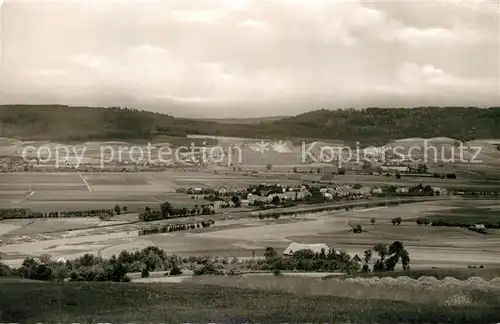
<point x="96" y="302"/>
<point x="369" y="126"/>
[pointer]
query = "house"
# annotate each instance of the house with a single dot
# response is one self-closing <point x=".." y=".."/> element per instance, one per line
<point x="377" y="190"/>
<point x="282" y="197"/>
<point x="294" y="195"/>
<point x="328" y="196"/>
<point x="355" y="258"/>
<point x="294" y="247"/>
<point x="401" y="190"/>
<point x="253" y="198"/>
<point x="222" y="191"/>
<point x="387" y="168"/>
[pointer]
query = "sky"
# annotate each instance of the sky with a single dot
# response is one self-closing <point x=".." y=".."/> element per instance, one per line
<point x="244" y="58"/>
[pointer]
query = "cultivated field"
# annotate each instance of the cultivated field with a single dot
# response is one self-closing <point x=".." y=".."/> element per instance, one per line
<point x="74" y="191"/>
<point x="242" y="237"/>
<point x="59" y="191"/>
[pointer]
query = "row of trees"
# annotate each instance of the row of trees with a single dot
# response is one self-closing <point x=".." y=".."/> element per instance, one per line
<point x="372" y="204"/>
<point x="174" y="228"/>
<point x="93" y="268"/>
<point x="20" y="213"/>
<point x="444" y="176"/>
<point x="168" y="211"/>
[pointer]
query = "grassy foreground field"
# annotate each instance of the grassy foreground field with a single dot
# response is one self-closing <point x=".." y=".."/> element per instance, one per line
<point x="167" y="303"/>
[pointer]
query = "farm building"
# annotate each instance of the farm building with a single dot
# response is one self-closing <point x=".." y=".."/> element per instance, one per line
<point x="294" y="247"/>
<point x="282" y="197"/>
<point x="355" y="258"/>
<point x="402" y="190"/>
<point x="395" y="168"/>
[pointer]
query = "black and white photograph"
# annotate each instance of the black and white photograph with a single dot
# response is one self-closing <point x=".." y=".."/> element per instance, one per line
<point x="249" y="161"/>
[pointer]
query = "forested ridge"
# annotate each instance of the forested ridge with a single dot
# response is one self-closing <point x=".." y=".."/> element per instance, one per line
<point x="370" y="126"/>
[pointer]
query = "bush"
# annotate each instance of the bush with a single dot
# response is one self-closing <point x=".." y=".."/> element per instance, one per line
<point x="176" y="270"/>
<point x="207" y="269"/>
<point x="396" y="221"/>
<point x="145" y="273"/>
<point x="60" y="272"/>
<point x="4" y="270"/>
<point x="357" y="228"/>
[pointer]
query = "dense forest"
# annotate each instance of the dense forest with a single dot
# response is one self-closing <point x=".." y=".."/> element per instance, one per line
<point x="369" y="126"/>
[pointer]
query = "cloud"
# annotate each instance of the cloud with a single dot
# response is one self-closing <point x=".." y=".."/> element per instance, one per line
<point x="146" y="48"/>
<point x="46" y="73"/>
<point x="199" y="16"/>
<point x="350" y="53"/>
<point x="250" y="23"/>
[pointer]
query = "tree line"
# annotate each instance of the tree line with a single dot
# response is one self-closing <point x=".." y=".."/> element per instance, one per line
<point x="20" y="213"/>
<point x="167" y="211"/>
<point x="174" y="228"/>
<point x="94" y="268"/>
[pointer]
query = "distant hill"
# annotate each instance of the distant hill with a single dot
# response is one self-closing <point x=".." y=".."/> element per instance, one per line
<point x="372" y="126"/>
<point x="258" y="120"/>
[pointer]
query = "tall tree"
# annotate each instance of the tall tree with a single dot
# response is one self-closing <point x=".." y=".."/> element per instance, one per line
<point x="397" y="252"/>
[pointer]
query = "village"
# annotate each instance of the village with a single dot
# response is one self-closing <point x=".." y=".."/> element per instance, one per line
<point x="271" y="195"/>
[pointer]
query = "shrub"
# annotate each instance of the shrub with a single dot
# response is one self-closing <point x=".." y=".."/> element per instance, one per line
<point x="396" y="221"/>
<point x="357" y="228"/>
<point x="207" y="269"/>
<point x="176" y="270"/>
<point x="145" y="273"/>
<point x="60" y="272"/>
<point x="4" y="270"/>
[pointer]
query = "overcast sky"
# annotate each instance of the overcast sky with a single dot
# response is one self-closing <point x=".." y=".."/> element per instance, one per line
<point x="250" y="58"/>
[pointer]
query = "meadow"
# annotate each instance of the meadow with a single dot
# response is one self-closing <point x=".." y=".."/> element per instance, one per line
<point x="199" y="303"/>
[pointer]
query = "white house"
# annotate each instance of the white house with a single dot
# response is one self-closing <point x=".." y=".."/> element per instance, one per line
<point x="282" y="197"/>
<point x="222" y="190"/>
<point x="328" y="196"/>
<point x="387" y="168"/>
<point x="401" y="190"/>
<point x="316" y="248"/>
<point x="253" y="198"/>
